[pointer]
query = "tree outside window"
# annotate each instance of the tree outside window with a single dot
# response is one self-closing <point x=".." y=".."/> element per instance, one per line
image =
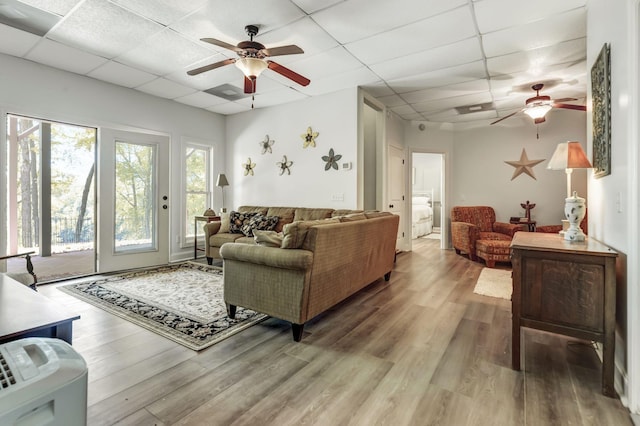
<point x="197" y="186"/>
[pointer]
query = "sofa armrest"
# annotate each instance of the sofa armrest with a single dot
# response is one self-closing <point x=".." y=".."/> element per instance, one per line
<point x="269" y="256"/>
<point x="211" y="228"/>
<point x="508" y="228"/>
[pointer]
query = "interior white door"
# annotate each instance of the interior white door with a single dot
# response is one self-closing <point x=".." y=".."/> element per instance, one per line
<point x="396" y="189"/>
<point x="133" y="200"/>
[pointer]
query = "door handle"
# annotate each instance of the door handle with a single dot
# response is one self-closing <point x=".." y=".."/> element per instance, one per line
<point x="164" y="206"/>
<point x="390" y="206"/>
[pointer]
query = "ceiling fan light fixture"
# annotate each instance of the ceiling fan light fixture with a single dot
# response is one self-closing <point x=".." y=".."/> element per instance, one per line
<point x="251" y="67"/>
<point x="537" y="111"/>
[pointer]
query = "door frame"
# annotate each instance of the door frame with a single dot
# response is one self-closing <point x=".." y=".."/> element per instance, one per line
<point x="444" y="230"/>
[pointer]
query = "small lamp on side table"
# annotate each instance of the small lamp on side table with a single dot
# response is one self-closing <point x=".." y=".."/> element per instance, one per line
<point x="222" y="182"/>
<point x="569" y="156"/>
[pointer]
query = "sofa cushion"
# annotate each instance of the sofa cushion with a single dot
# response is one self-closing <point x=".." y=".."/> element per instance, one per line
<point x="295" y="233"/>
<point x="224" y="223"/>
<point x="237" y="221"/>
<point x="259" y="222"/>
<point x="253" y="209"/>
<point x="303" y="213"/>
<point x="268" y="238"/>
<point x="352" y="217"/>
<point x="344" y="212"/>
<point x="217" y="240"/>
<point x="285" y="215"/>
<point x="370" y="214"/>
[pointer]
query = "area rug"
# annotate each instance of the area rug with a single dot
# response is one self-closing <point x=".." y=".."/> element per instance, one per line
<point x="181" y="302"/>
<point x="495" y="283"/>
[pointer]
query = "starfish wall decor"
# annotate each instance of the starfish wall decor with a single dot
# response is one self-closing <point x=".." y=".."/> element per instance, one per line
<point x="524" y="165"/>
<point x="266" y="145"/>
<point x="284" y="165"/>
<point x="331" y="160"/>
<point x="248" y="167"/>
<point x="309" y="138"/>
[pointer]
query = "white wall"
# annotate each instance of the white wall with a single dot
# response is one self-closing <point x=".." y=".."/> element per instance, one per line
<point x="333" y="116"/>
<point x="616" y="222"/>
<point x="36" y="90"/>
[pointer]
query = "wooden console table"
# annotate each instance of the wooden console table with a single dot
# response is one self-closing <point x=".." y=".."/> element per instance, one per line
<point x="27" y="313"/>
<point x="197" y="219"/>
<point x="567" y="288"/>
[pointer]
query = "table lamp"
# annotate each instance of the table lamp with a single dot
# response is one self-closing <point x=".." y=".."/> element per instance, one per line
<point x="569" y="156"/>
<point x="222" y="182"/>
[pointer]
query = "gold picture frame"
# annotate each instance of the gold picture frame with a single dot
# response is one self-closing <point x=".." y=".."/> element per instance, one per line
<point x="601" y="103"/>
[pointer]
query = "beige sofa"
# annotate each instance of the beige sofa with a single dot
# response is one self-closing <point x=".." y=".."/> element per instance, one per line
<point x="327" y="262"/>
<point x="218" y="233"/>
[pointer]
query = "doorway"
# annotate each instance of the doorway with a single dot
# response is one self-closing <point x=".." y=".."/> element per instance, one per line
<point x="51" y="196"/>
<point x="427" y="201"/>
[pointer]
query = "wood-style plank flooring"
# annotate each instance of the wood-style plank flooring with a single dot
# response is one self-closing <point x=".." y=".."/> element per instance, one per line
<point x="422" y="349"/>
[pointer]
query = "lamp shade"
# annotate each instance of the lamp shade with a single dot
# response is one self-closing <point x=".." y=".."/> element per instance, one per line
<point x="222" y="180"/>
<point x="569" y="155"/>
<point x="251" y="67"/>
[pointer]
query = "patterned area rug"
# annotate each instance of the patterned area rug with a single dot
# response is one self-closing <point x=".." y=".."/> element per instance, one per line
<point x="495" y="283"/>
<point x="181" y="302"/>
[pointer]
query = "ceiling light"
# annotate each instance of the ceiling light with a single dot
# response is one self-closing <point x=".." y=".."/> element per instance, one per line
<point x="251" y="67"/>
<point x="537" y="111"/>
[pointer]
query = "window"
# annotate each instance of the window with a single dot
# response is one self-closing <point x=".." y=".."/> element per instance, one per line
<point x="197" y="187"/>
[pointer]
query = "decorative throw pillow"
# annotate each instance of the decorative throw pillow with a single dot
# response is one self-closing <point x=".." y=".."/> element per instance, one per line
<point x="237" y="220"/>
<point x="259" y="222"/>
<point x="295" y="233"/>
<point x="224" y="223"/>
<point x="268" y="238"/>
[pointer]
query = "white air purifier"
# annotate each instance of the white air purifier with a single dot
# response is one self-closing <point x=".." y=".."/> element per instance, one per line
<point x="42" y="382"/>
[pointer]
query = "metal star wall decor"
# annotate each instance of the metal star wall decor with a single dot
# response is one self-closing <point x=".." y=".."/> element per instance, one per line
<point x="266" y="145"/>
<point x="309" y="138"/>
<point x="524" y="165"/>
<point x="284" y="165"/>
<point x="332" y="160"/>
<point x="248" y="167"/>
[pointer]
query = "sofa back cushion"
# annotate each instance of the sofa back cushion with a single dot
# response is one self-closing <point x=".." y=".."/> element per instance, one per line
<point x="481" y="216"/>
<point x="295" y="233"/>
<point x="253" y="209"/>
<point x="285" y="215"/>
<point x="304" y="213"/>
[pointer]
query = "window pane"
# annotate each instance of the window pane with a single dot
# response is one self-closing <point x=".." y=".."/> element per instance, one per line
<point x="135" y="198"/>
<point x="194" y="203"/>
<point x="196" y="167"/>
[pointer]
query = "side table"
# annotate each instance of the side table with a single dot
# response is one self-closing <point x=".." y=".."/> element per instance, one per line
<point x="531" y="224"/>
<point x="197" y="219"/>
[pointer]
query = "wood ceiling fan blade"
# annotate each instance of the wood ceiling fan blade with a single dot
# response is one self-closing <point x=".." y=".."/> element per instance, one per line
<point x="291" y="49"/>
<point x="211" y="67"/>
<point x="570" y="106"/>
<point x="249" y="85"/>
<point x="221" y="43"/>
<point x="286" y="72"/>
<point x="506" y="116"/>
<point x="565" y="99"/>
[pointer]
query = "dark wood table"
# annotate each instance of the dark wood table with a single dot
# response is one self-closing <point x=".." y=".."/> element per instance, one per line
<point x="27" y="313"/>
<point x="197" y="219"/>
<point x="531" y="224"/>
<point x="567" y="288"/>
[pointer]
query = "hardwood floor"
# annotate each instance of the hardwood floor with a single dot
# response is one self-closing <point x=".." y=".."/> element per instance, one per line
<point x="422" y="349"/>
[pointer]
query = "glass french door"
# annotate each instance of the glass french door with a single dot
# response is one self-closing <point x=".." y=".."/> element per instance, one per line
<point x="133" y="200"/>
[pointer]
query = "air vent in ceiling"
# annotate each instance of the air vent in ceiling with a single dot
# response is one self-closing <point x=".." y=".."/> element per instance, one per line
<point x="468" y="109"/>
<point x="228" y="92"/>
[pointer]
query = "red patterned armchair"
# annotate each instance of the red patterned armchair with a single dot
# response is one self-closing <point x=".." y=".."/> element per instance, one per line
<point x="472" y="223"/>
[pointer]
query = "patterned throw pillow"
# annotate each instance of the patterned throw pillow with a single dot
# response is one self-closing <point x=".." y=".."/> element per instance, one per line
<point x="237" y="220"/>
<point x="260" y="223"/>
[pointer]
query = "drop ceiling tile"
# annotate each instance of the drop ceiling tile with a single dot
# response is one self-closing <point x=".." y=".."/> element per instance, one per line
<point x="59" y="7"/>
<point x="229" y="108"/>
<point x="377" y="89"/>
<point x="310" y="6"/>
<point x="165" y="12"/>
<point x="164" y="52"/>
<point x="518" y="12"/>
<point x="442" y="77"/>
<point x="403" y="109"/>
<point x="165" y="89"/>
<point x="442" y="104"/>
<point x="452" y="116"/>
<point x="16" y="42"/>
<point x="454" y="54"/>
<point x="548" y="32"/>
<point x="450" y="91"/>
<point x="426" y="34"/>
<point x="535" y="60"/>
<point x="103" y="28"/>
<point x="345" y="80"/>
<point x="207" y="79"/>
<point x="64" y="57"/>
<point x="392" y="100"/>
<point x="200" y="100"/>
<point x="304" y="33"/>
<point x="330" y="62"/>
<point x="122" y="75"/>
<point x="225" y="20"/>
<point x="413" y="117"/>
<point x="356" y="19"/>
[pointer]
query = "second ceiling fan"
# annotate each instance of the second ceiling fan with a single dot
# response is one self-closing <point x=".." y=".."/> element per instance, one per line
<point x="538" y="106"/>
<point x="252" y="60"/>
